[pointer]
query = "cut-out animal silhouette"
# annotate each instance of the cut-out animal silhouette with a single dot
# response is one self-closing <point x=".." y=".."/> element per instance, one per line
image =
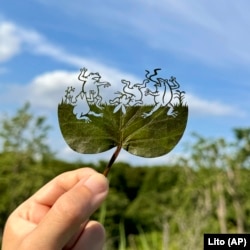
<point x="163" y="94"/>
<point x="91" y="84"/>
<point x="140" y="86"/>
<point x="135" y="91"/>
<point x="130" y="96"/>
<point x="122" y="101"/>
<point x="88" y="95"/>
<point x="81" y="108"/>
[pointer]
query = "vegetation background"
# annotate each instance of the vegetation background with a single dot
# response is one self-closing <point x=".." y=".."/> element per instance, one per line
<point x="166" y="207"/>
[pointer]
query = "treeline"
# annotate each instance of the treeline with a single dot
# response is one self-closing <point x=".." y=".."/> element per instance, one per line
<point x="158" y="207"/>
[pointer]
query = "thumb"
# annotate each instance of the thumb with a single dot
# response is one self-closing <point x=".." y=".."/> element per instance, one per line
<point x="69" y="211"/>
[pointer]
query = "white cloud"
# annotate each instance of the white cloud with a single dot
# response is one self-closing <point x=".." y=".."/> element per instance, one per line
<point x="203" y="107"/>
<point x="16" y="39"/>
<point x="10" y="43"/>
<point x="47" y="89"/>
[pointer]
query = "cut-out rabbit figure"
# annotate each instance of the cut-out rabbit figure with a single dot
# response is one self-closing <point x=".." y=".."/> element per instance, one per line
<point x="82" y="109"/>
<point x="88" y="95"/>
<point x="163" y="93"/>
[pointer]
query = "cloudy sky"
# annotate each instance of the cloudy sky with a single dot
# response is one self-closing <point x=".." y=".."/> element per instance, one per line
<point x="204" y="44"/>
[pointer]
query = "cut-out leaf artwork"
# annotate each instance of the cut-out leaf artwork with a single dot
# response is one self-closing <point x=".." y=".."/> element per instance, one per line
<point x="146" y="119"/>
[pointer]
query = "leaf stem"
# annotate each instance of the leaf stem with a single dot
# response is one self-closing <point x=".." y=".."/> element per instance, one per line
<point x="112" y="160"/>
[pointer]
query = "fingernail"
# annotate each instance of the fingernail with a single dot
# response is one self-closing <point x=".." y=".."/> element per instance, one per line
<point x="97" y="183"/>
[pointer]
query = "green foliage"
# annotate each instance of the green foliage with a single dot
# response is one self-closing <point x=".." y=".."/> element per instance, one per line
<point x="25" y="134"/>
<point x="146" y="241"/>
<point x="160" y="207"/>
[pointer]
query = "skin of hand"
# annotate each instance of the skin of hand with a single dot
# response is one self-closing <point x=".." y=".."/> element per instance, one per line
<point x="56" y="217"/>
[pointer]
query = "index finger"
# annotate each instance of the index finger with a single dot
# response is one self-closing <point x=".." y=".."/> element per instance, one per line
<point x="49" y="193"/>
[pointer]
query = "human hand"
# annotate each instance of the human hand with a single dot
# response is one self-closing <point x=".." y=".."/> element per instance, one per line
<point x="56" y="216"/>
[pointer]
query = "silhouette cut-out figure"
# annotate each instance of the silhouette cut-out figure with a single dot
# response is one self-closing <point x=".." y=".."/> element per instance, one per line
<point x="139" y="87"/>
<point x="125" y="98"/>
<point x="128" y="89"/>
<point x="88" y="95"/>
<point x="135" y="91"/>
<point x="163" y="94"/>
<point x="91" y="84"/>
<point x="122" y="101"/>
<point x="81" y="108"/>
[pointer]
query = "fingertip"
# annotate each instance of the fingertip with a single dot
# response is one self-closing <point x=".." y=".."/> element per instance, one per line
<point x="93" y="237"/>
<point x="97" y="183"/>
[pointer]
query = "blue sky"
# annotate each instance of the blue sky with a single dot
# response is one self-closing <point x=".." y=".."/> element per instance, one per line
<point x="204" y="44"/>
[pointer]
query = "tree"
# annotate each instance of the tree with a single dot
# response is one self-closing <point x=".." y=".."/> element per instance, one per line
<point x="231" y="159"/>
<point x="25" y="135"/>
<point x="239" y="159"/>
<point x="24" y="153"/>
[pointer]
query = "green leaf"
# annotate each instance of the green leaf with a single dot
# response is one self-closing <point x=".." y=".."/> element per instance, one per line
<point x="147" y="137"/>
<point x="141" y="118"/>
